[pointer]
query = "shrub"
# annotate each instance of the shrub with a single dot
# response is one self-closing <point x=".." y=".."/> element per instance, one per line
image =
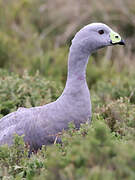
<point x="116" y="85"/>
<point x="15" y="164"/>
<point x="98" y="154"/>
<point x="120" y="116"/>
<point x="103" y="150"/>
<point x="25" y="91"/>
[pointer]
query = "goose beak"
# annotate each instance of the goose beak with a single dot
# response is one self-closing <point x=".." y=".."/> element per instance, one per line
<point x="122" y="42"/>
<point x="116" y="39"/>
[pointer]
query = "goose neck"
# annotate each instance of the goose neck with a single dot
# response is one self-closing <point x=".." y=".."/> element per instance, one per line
<point x="77" y="63"/>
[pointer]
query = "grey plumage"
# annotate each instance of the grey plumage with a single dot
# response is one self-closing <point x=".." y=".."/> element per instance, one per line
<point x="41" y="124"/>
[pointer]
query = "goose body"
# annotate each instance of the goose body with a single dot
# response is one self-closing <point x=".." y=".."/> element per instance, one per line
<point x="39" y="125"/>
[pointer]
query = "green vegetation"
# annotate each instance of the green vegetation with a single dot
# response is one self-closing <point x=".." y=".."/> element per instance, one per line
<point x="34" y="41"/>
<point x="25" y="91"/>
<point x="103" y="150"/>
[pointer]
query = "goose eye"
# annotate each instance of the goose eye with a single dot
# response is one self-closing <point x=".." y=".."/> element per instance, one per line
<point x="101" y="31"/>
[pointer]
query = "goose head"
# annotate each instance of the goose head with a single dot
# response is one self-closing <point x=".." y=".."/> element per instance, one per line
<point x="95" y="36"/>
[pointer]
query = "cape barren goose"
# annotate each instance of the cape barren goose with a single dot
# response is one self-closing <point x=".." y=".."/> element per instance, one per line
<point x="41" y="124"/>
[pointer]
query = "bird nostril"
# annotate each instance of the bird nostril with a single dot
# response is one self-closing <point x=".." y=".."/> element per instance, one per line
<point x="117" y="37"/>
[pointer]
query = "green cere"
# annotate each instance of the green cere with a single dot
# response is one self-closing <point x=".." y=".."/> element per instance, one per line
<point x="115" y="37"/>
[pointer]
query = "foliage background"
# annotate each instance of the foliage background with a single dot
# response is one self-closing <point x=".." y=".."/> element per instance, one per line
<point x="34" y="40"/>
